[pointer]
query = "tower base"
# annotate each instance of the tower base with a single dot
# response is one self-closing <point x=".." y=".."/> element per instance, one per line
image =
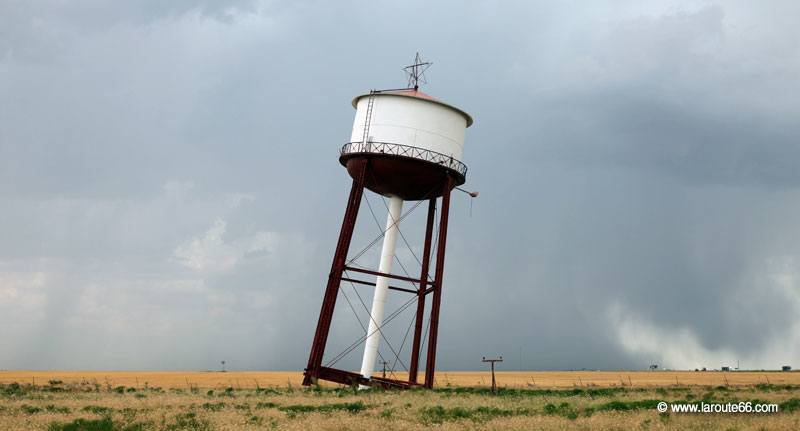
<point x="360" y="169"/>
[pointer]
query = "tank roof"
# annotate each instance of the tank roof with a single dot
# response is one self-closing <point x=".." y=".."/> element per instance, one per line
<point x="410" y="92"/>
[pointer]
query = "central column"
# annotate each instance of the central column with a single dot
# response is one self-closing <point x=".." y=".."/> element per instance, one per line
<point x="381" y="286"/>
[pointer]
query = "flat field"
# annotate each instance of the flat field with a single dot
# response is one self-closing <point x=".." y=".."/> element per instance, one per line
<point x="139" y="401"/>
<point x="511" y="379"/>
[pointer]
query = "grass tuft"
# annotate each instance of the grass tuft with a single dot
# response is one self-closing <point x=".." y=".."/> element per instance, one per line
<point x="353" y="408"/>
<point x="98" y="410"/>
<point x="214" y="407"/>
<point x="29" y="410"/>
<point x="104" y="424"/>
<point x="14" y="389"/>
<point x="624" y="406"/>
<point x="57" y="409"/>
<point x="790" y="405"/>
<point x="438" y="414"/>
<point x="188" y="422"/>
<point x="563" y="409"/>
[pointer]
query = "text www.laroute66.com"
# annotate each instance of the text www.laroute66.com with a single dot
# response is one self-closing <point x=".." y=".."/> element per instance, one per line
<point x="703" y="407"/>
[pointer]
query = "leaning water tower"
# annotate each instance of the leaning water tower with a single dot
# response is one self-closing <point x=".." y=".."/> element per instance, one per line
<point x="406" y="146"/>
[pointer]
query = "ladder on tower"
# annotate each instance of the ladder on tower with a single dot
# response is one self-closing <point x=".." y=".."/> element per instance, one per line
<point x="368" y="120"/>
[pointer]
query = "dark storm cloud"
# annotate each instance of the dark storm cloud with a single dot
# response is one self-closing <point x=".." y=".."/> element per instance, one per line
<point x="168" y="172"/>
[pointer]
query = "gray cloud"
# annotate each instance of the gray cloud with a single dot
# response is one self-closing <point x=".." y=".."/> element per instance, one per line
<point x="171" y="195"/>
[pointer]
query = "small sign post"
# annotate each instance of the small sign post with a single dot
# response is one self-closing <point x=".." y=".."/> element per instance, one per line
<point x="492" y="361"/>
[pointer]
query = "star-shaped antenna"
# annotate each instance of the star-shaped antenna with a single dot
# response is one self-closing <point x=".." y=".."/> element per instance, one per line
<point x="416" y="72"/>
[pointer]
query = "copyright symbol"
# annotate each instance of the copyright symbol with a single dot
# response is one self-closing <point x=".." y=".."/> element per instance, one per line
<point x="662" y="407"/>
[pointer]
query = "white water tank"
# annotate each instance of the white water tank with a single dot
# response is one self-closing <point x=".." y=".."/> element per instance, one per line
<point x="412" y="118"/>
<point x="411" y="138"/>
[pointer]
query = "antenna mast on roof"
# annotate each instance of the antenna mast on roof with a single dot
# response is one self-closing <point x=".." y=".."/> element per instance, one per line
<point x="416" y="72"/>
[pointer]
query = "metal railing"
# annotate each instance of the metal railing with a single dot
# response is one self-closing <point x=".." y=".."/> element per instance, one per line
<point x="404" y="151"/>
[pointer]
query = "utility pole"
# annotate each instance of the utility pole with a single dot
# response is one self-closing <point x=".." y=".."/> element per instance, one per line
<point x="492" y="361"/>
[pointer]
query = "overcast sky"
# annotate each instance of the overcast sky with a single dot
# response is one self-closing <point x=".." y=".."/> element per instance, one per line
<point x="170" y="194"/>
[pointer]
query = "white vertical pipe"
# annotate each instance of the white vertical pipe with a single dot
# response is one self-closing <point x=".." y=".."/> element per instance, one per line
<point x="381" y="286"/>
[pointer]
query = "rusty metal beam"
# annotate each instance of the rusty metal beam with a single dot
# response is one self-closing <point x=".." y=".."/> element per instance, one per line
<point x="312" y="371"/>
<point x="426" y="258"/>
<point x="430" y="364"/>
<point x="351" y="379"/>
<point x="369" y="283"/>
<point x="382" y="274"/>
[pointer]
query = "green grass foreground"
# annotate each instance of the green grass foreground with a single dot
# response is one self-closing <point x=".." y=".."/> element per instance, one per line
<point x="93" y="407"/>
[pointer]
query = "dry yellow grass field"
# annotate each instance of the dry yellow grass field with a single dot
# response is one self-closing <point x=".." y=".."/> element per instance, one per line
<point x="511" y="379"/>
<point x="89" y="402"/>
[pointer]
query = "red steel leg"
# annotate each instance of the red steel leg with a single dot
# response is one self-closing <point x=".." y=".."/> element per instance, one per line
<point x="430" y="364"/>
<point x="312" y="371"/>
<point x="423" y="285"/>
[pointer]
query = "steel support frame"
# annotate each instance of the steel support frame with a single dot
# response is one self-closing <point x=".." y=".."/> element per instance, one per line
<point x="422" y="292"/>
<point x="312" y="372"/>
<point x="433" y="335"/>
<point x="315" y="370"/>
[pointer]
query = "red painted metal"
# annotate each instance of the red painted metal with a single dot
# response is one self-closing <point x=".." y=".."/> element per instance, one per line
<point x="360" y="169"/>
<point x="350" y="378"/>
<point x="426" y="258"/>
<point x="312" y="371"/>
<point x="430" y="364"/>
<point x="405" y="177"/>
<point x="369" y="283"/>
<point x="382" y="274"/>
